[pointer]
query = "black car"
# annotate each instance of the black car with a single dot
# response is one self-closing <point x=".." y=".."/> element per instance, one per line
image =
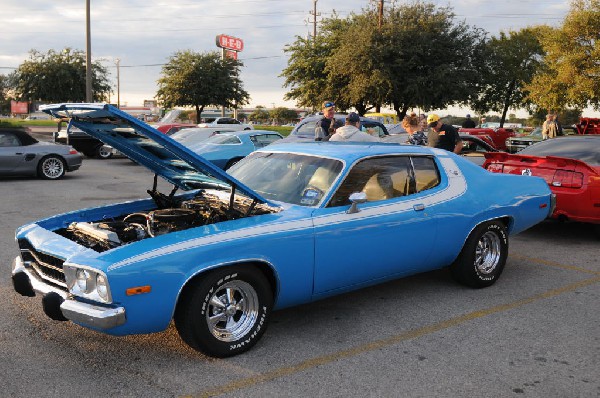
<point x="474" y="148"/>
<point x="82" y="142"/>
<point x="305" y="129"/>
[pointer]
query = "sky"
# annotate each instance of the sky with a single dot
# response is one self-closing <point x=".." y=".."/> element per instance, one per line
<point x="144" y="34"/>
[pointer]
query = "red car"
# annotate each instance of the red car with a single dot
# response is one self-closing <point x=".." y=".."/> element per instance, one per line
<point x="571" y="167"/>
<point x="170" y="128"/>
<point x="498" y="135"/>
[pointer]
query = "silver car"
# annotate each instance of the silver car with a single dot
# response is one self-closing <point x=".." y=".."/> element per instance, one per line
<point x="21" y="154"/>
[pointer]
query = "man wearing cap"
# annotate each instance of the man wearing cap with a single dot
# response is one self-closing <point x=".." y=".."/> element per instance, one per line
<point x="469" y="123"/>
<point x="448" y="137"/>
<point x="351" y="131"/>
<point x="326" y="126"/>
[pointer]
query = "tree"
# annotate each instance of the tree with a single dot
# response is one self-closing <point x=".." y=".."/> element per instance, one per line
<point x="511" y="62"/>
<point x="58" y="77"/>
<point x="282" y="114"/>
<point x="429" y="59"/>
<point x="420" y="57"/>
<point x="200" y="80"/>
<point x="4" y="100"/>
<point x="572" y="63"/>
<point x="260" y="114"/>
<point x="310" y="83"/>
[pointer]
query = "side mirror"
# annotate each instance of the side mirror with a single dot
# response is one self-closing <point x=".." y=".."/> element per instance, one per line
<point x="356" y="198"/>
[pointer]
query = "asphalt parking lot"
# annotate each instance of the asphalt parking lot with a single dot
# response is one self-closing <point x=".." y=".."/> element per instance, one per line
<point x="535" y="333"/>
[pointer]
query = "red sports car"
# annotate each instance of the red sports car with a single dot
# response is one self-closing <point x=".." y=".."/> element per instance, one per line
<point x="571" y="167"/>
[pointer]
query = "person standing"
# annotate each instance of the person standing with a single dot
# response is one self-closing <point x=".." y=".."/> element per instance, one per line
<point x="549" y="128"/>
<point x="351" y="131"/>
<point x="325" y="127"/>
<point x="468" y="123"/>
<point x="482" y="123"/>
<point x="416" y="136"/>
<point x="448" y="137"/>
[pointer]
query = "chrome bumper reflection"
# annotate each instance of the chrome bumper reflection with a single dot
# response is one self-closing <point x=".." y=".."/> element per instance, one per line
<point x="90" y="315"/>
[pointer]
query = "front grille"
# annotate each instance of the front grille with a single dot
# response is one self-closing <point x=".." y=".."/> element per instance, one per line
<point x="48" y="267"/>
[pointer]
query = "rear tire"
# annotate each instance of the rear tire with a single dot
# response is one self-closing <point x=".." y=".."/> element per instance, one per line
<point x="51" y="167"/>
<point x="226" y="312"/>
<point x="102" y="152"/>
<point x="483" y="256"/>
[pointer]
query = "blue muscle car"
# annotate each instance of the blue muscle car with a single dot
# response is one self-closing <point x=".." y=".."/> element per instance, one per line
<point x="289" y="224"/>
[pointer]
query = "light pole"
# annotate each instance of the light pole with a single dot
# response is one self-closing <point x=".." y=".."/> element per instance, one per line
<point x="88" y="54"/>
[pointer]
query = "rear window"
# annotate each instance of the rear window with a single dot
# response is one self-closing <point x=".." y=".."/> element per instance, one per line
<point x="223" y="139"/>
<point x="585" y="149"/>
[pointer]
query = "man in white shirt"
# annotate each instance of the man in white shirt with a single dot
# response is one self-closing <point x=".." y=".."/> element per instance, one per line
<point x="351" y="131"/>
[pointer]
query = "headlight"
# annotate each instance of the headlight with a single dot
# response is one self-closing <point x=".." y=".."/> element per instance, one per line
<point x="84" y="280"/>
<point x="102" y="286"/>
<point x="88" y="283"/>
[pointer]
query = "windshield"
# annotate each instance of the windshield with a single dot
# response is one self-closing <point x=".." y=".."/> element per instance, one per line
<point x="586" y="149"/>
<point x="297" y="179"/>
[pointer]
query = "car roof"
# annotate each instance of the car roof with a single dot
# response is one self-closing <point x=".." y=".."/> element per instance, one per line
<point x="350" y="151"/>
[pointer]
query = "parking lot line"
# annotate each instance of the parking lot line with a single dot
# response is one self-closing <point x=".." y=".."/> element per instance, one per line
<point x="552" y="264"/>
<point x="378" y="344"/>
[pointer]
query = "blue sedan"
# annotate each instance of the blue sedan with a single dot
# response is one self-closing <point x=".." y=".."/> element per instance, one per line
<point x="225" y="149"/>
<point x="289" y="224"/>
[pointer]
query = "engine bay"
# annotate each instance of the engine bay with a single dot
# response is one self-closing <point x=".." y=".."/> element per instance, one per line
<point x="170" y="215"/>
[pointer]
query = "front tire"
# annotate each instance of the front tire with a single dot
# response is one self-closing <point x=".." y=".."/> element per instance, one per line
<point x="51" y="168"/>
<point x="226" y="312"/>
<point x="483" y="256"/>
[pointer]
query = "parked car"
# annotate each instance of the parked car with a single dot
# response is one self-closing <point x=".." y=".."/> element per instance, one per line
<point x="225" y="122"/>
<point x="305" y="129"/>
<point x="571" y="167"/>
<point x="82" y="142"/>
<point x="498" y="135"/>
<point x="516" y="143"/>
<point x="289" y="224"/>
<point x="226" y="149"/>
<point x="21" y="154"/>
<point x="194" y="135"/>
<point x="172" y="128"/>
<point x="474" y="148"/>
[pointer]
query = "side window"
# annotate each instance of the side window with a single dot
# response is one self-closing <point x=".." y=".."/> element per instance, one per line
<point x="373" y="129"/>
<point x="263" y="140"/>
<point x="380" y="178"/>
<point x="9" y="139"/>
<point x="427" y="175"/>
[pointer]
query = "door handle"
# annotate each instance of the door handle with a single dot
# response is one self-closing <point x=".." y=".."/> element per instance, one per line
<point x="419" y="207"/>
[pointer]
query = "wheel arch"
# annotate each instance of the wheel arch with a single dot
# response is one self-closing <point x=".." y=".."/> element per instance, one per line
<point x="262" y="266"/>
<point x="506" y="220"/>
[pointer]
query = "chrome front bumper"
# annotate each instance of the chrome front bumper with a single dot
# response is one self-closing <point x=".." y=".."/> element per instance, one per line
<point x="86" y="314"/>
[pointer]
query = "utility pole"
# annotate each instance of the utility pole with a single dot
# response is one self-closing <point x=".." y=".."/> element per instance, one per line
<point x="118" y="62"/>
<point x="88" y="54"/>
<point x="315" y="14"/>
<point x="380" y="13"/>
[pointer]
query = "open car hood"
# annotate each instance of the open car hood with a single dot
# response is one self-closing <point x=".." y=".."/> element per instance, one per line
<point x="148" y="147"/>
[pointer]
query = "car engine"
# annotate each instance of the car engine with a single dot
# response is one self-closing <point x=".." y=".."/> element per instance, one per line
<point x="204" y="209"/>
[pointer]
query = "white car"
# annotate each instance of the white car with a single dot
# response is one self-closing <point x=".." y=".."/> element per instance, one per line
<point x="225" y="122"/>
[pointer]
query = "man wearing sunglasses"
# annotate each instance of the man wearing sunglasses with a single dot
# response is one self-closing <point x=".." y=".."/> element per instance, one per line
<point x="327" y="125"/>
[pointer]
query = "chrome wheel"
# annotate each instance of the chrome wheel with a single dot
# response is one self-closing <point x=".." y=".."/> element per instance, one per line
<point x="488" y="253"/>
<point x="232" y="311"/>
<point x="52" y="168"/>
<point x="104" y="152"/>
